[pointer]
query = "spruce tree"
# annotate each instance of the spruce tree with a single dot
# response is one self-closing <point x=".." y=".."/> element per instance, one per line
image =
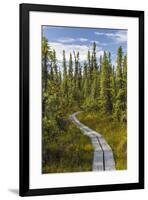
<point x="119" y="69"/>
<point x="65" y="78"/>
<point x="79" y="72"/>
<point x="105" y="85"/>
<point x="95" y="78"/>
<point x="76" y="77"/>
<point x="70" y="80"/>
<point x="46" y="64"/>
<point x="89" y="70"/>
<point x="100" y="62"/>
<point x="124" y="114"/>
<point x="94" y="59"/>
<point x="113" y="88"/>
<point x="85" y="81"/>
<point x="70" y="68"/>
<point x="55" y="67"/>
<point x="45" y="58"/>
<point x="119" y="105"/>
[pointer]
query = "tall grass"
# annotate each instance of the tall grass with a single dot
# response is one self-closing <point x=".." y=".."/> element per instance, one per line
<point x="71" y="151"/>
<point x="115" y="134"/>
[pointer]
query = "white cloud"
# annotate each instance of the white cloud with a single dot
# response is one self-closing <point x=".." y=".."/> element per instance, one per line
<point x="69" y="48"/>
<point x="83" y="39"/>
<point x="99" y="33"/>
<point x="66" y="40"/>
<point x="100" y="43"/>
<point x="70" y="40"/>
<point x="119" y="36"/>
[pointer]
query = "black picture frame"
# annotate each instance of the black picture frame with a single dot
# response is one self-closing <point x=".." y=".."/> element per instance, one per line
<point x="24" y="189"/>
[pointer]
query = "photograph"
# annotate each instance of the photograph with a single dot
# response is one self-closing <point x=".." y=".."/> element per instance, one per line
<point x="81" y="99"/>
<point x="84" y="99"/>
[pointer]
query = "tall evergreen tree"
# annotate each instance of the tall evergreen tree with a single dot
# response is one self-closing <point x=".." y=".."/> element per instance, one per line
<point x="89" y="69"/>
<point x="105" y="92"/>
<point x="55" y="67"/>
<point x="113" y="88"/>
<point x="45" y="58"/>
<point x="79" y="72"/>
<point x="100" y="62"/>
<point x="46" y="63"/>
<point x="124" y="114"/>
<point x="94" y="59"/>
<point x="95" y="78"/>
<point x="85" y="81"/>
<point x="119" y="69"/>
<point x="119" y="105"/>
<point x="77" y="77"/>
<point x="65" y="78"/>
<point x="70" y="73"/>
<point x="76" y="70"/>
<point x="70" y="80"/>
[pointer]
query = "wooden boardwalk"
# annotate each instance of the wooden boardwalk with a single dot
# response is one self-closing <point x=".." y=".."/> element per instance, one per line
<point x="103" y="158"/>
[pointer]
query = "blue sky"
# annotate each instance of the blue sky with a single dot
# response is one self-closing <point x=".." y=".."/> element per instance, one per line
<point x="81" y="39"/>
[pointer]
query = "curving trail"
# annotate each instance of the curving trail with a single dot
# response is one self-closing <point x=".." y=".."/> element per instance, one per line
<point x="103" y="158"/>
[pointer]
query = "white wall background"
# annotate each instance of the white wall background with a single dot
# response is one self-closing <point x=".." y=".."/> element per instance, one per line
<point x="9" y="99"/>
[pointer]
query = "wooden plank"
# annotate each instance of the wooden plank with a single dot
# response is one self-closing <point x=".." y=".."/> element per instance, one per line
<point x="98" y="161"/>
<point x="109" y="162"/>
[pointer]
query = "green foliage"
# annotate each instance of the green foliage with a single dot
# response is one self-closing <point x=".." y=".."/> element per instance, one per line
<point x="105" y="85"/>
<point x="65" y="78"/>
<point x="71" y="151"/>
<point x="121" y="87"/>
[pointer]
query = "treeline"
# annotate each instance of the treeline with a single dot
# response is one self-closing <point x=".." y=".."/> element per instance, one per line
<point x="91" y="86"/>
<point x="99" y="86"/>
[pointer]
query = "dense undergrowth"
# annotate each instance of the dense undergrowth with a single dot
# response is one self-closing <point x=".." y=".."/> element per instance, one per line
<point x="71" y="151"/>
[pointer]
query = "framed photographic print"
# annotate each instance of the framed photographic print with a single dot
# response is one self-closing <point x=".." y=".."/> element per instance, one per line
<point x="81" y="99"/>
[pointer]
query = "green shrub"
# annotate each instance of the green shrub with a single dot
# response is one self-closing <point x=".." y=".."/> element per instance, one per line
<point x="70" y="151"/>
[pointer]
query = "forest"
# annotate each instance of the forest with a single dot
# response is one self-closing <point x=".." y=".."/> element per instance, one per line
<point x="98" y="89"/>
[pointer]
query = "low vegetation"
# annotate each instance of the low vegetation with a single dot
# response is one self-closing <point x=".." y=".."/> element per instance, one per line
<point x="114" y="132"/>
<point x="70" y="151"/>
